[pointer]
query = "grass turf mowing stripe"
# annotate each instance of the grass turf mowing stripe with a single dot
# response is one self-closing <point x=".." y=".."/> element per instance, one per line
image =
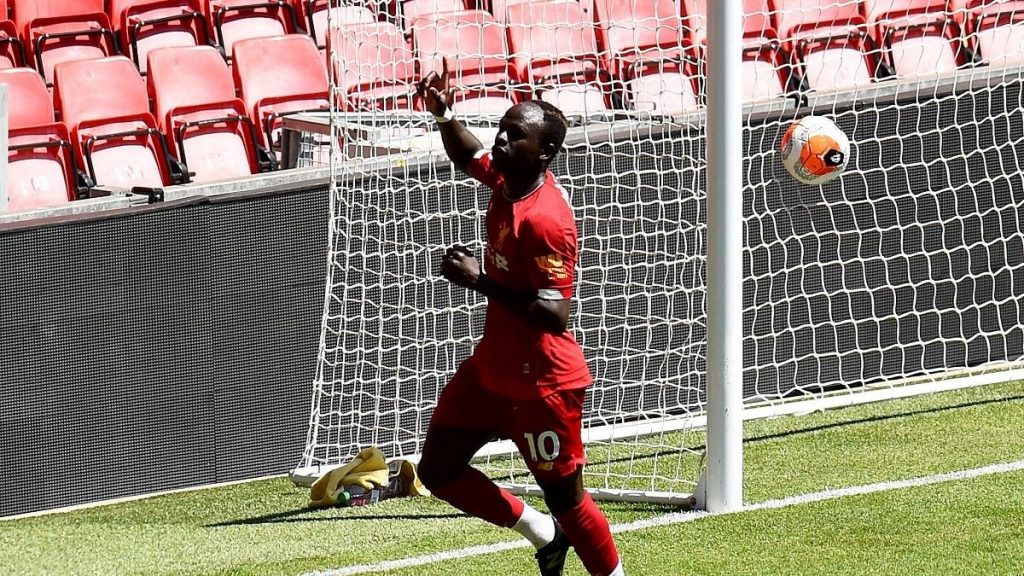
<point x="680" y="517"/>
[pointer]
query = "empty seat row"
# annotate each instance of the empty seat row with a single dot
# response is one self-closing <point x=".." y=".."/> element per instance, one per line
<point x="43" y="33"/>
<point x="206" y="121"/>
<point x="214" y="120"/>
<point x="41" y="170"/>
<point x="544" y="50"/>
<point x="834" y="43"/>
<point x="649" y="54"/>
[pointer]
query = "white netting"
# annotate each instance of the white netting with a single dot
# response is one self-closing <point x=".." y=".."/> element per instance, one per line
<point x="909" y="268"/>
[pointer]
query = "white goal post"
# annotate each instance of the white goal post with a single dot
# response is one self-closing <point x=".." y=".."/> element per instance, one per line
<point x="712" y="288"/>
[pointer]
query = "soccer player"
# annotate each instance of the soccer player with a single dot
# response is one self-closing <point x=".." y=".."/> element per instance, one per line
<point x="527" y="377"/>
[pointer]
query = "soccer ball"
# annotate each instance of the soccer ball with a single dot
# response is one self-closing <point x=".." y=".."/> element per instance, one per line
<point x="814" y="150"/>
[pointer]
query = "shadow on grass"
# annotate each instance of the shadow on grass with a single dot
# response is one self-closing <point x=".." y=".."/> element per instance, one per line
<point x="312" y="515"/>
<point x="316" y="515"/>
<point x="819" y="428"/>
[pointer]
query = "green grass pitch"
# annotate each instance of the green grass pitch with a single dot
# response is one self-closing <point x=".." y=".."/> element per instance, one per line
<point x="970" y="527"/>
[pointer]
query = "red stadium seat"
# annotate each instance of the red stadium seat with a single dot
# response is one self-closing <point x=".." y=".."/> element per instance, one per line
<point x="57" y="31"/>
<point x="970" y="12"/>
<point x="187" y="76"/>
<point x="758" y="20"/>
<point x="144" y="25"/>
<point x="374" y="67"/>
<point x="40" y="168"/>
<point x="235" y="20"/>
<point x="919" y="36"/>
<point x="646" y="49"/>
<point x="995" y="29"/>
<point x="876" y="11"/>
<point x="411" y="10"/>
<point x="12" y="51"/>
<point x="815" y="17"/>
<point x="27" y="97"/>
<point x="838" y="62"/>
<point x="194" y="101"/>
<point x="499" y="8"/>
<point x="340" y="16"/>
<point x="829" y="40"/>
<point x="629" y="30"/>
<point x="555" y="53"/>
<point x="768" y="69"/>
<point x="105" y="105"/>
<point x="473" y="44"/>
<point x="279" y="76"/>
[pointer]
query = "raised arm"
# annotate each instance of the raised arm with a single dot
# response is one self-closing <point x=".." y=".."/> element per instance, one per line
<point x="459" y="143"/>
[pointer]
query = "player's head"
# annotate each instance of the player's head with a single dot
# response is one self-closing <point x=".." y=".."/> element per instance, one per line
<point x="529" y="136"/>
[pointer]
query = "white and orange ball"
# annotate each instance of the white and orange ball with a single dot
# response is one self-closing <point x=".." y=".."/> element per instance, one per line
<point x="815" y="150"/>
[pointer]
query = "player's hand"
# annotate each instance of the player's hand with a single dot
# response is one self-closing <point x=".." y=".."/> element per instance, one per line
<point x="460" y="267"/>
<point x="436" y="93"/>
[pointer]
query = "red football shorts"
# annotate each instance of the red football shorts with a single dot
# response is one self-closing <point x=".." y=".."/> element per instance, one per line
<point x="547" y="431"/>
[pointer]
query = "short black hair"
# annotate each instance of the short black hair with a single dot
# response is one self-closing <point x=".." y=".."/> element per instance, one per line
<point x="555" y="124"/>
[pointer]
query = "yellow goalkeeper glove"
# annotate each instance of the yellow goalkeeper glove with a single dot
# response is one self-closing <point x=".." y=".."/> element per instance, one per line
<point x="368" y="470"/>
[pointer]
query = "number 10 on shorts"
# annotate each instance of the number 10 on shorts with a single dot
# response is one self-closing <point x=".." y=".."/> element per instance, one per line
<point x="545" y="447"/>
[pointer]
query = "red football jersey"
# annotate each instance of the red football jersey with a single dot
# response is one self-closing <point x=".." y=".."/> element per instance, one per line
<point x="531" y="247"/>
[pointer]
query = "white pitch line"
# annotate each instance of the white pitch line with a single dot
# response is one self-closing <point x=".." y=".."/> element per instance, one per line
<point x="682" y="517"/>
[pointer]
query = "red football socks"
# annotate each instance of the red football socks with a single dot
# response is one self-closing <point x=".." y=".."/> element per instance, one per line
<point x="589" y="534"/>
<point x="475" y="494"/>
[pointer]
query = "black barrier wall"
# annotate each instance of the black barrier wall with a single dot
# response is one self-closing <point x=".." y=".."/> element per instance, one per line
<point x="158" y="348"/>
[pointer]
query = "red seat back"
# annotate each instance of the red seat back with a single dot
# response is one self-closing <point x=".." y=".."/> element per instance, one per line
<point x="370" y="55"/>
<point x="96" y="90"/>
<point x="411" y="10"/>
<point x="279" y="67"/>
<point x="28" y="98"/>
<point x="550" y="38"/>
<point x="12" y="49"/>
<point x="499" y="8"/>
<point x="144" y="25"/>
<point x="277" y="74"/>
<point x="27" y="11"/>
<point x="340" y="16"/>
<point x="57" y="31"/>
<point x="637" y="25"/>
<point x="875" y="10"/>
<point x="472" y="42"/>
<point x="234" y="20"/>
<point x="796" y="17"/>
<point x="970" y="13"/>
<point x="187" y="76"/>
<point x="758" y="20"/>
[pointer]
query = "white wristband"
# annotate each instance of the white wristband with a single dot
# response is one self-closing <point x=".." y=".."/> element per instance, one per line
<point x="448" y="116"/>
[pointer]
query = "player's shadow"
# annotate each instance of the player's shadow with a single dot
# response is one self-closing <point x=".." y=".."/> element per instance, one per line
<point x="810" y="429"/>
<point x="307" y="515"/>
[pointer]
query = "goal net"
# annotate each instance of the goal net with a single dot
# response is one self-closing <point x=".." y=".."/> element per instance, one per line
<point x="904" y="276"/>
